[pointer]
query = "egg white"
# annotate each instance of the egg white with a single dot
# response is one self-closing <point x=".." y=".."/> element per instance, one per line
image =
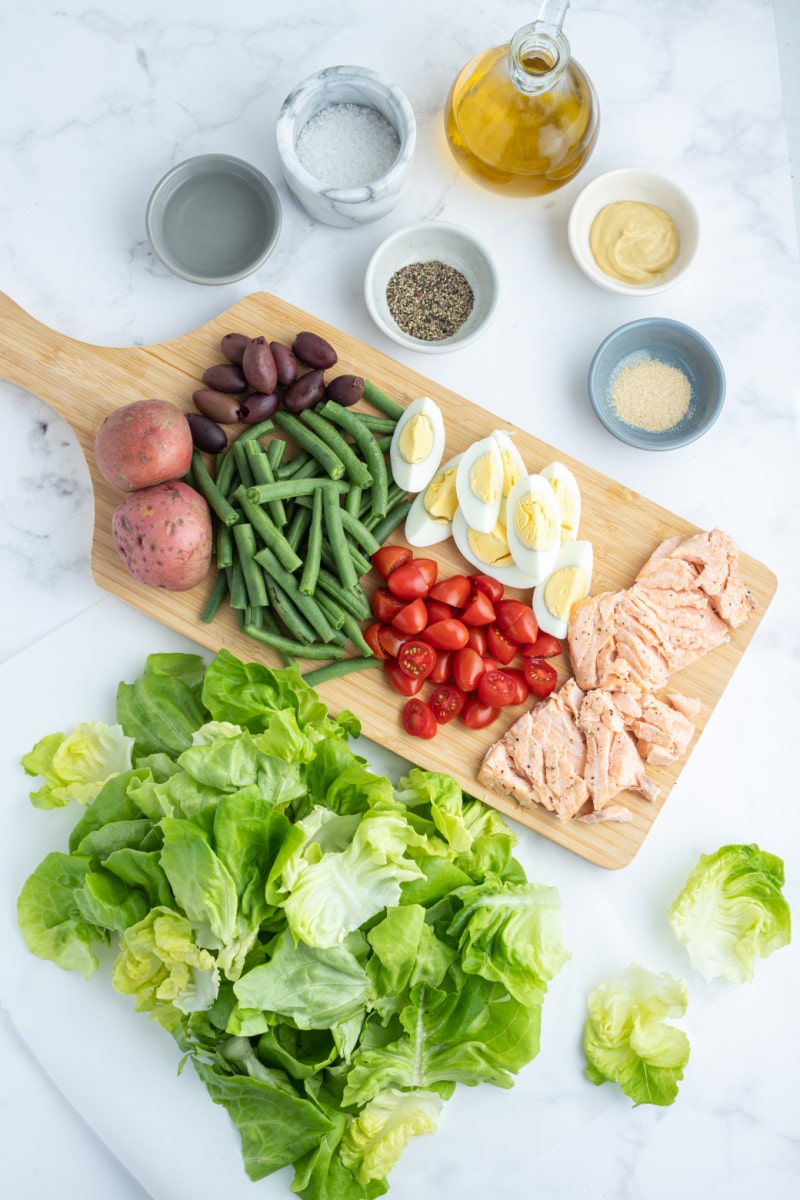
<point x="479" y="514"/>
<point x="570" y="554"/>
<point x="421" y="529"/>
<point x="510" y="576"/>
<point x="414" y="477"/>
<point x="564" y="483"/>
<point x="536" y="563"/>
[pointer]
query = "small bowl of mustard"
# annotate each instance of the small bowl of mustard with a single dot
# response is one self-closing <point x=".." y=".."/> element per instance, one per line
<point x="633" y="231"/>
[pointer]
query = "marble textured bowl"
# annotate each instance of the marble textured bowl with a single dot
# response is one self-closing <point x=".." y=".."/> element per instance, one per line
<point x="678" y="346"/>
<point x="633" y="183"/>
<point x="213" y="219"/>
<point x="345" y="206"/>
<point x="423" y="242"/>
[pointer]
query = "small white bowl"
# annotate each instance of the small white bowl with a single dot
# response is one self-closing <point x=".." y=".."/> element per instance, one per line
<point x="345" y="206"/>
<point x="213" y="219"/>
<point x="429" y="241"/>
<point x="632" y="183"/>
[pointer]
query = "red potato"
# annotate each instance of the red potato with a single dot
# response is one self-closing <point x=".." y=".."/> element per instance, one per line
<point x="163" y="535"/>
<point x="142" y="444"/>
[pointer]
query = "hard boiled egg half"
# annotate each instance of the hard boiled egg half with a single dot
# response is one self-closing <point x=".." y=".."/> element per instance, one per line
<point x="488" y="470"/>
<point x="568" y="582"/>
<point x="430" y="518"/>
<point x="489" y="552"/>
<point x="533" y="526"/>
<point x="417" y="445"/>
<point x="568" y="497"/>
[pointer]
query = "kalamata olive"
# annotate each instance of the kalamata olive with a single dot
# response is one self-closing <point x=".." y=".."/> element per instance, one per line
<point x="232" y="346"/>
<point x="306" y="391"/>
<point x="225" y="377"/>
<point x="258" y="406"/>
<point x="206" y="434"/>
<point x="219" y="406"/>
<point x="314" y="351"/>
<point x="345" y="389"/>
<point x="259" y="366"/>
<point x="285" y="363"/>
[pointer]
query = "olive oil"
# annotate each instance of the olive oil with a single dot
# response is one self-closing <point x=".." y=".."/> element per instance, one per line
<point x="522" y="118"/>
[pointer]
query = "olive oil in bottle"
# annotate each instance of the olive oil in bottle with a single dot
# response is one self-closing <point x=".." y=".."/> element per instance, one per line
<point x="522" y="118"/>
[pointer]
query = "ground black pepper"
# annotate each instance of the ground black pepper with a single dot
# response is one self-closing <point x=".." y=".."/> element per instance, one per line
<point x="429" y="300"/>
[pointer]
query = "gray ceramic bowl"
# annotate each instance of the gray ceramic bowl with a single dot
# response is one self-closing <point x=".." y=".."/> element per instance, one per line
<point x="433" y="241"/>
<point x="213" y="219"/>
<point x="676" y="345"/>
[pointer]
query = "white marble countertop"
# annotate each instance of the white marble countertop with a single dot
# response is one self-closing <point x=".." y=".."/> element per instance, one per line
<point x="98" y="101"/>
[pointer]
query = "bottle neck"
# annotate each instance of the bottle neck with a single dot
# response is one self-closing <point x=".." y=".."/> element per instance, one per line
<point x="537" y="57"/>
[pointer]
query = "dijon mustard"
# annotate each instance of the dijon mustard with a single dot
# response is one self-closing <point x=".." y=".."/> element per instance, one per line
<point x="634" y="242"/>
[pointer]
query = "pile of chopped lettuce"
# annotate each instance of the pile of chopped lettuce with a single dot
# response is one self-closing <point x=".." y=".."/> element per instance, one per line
<point x="333" y="953"/>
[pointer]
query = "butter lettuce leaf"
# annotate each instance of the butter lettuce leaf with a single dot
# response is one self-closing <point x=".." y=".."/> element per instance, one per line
<point x="75" y="766"/>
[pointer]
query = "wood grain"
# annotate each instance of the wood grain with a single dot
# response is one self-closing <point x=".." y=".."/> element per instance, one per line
<point x="83" y="383"/>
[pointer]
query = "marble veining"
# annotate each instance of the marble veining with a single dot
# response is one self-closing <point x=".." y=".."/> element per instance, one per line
<point x="98" y="101"/>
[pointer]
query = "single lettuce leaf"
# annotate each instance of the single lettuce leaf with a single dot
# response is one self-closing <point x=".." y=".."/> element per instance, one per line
<point x="161" y="965"/>
<point x="162" y="708"/>
<point x="49" y="918"/>
<point x="75" y="766"/>
<point x="732" y="911"/>
<point x="627" y="1039"/>
<point x="375" y="1140"/>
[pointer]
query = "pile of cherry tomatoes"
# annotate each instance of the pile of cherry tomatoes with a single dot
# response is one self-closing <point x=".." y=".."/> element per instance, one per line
<point x="460" y="635"/>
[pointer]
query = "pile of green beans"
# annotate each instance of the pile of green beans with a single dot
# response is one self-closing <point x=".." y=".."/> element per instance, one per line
<point x="294" y="532"/>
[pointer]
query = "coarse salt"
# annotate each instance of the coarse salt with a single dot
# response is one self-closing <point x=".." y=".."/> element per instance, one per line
<point x="347" y="145"/>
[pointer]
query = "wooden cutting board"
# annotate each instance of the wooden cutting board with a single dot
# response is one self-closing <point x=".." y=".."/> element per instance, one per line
<point x="83" y="383"/>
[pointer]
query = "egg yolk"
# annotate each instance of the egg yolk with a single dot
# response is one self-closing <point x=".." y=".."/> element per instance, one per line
<point x="491" y="548"/>
<point x="511" y="470"/>
<point x="563" y="589"/>
<point x="567" y="507"/>
<point x="415" y="440"/>
<point x="484" y="480"/>
<point x="440" y="500"/>
<point x="534" y="524"/>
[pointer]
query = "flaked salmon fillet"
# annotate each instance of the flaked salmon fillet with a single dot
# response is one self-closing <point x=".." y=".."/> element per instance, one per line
<point x="682" y="604"/>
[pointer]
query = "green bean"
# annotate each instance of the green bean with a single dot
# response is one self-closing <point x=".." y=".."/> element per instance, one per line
<point x="335" y="670"/>
<point x="293" y="619"/>
<point x="236" y="586"/>
<point x="226" y="468"/>
<point x="379" y="400"/>
<point x="387" y="526"/>
<point x="359" y="531"/>
<point x="332" y="516"/>
<point x="307" y="605"/>
<point x="224" y="546"/>
<point x="288" y="646"/>
<point x="214" y="602"/>
<point x="384" y="443"/>
<point x="272" y="626"/>
<point x="269" y="532"/>
<point x="352" y="500"/>
<point x="245" y="539"/>
<point x="286" y="489"/>
<point x="299" y="523"/>
<point x="353" y="425"/>
<point x="333" y="611"/>
<point x="355" y="469"/>
<point x="262" y="472"/>
<point x="330" y="462"/>
<point x="211" y="493"/>
<point x="353" y="601"/>
<point x="255" y="431"/>
<point x="276" y="448"/>
<point x="290" y="468"/>
<point x="308" y="579"/>
<point x="353" y="630"/>
<point x="254" y="615"/>
<point x="376" y="424"/>
<point x="242" y="465"/>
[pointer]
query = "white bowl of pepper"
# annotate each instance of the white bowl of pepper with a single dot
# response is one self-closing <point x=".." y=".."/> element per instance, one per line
<point x="431" y="287"/>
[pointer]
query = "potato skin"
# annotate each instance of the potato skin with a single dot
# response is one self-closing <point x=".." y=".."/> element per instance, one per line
<point x="163" y="535"/>
<point x="142" y="444"/>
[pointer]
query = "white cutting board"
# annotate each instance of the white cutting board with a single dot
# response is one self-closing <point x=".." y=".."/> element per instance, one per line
<point x="119" y="1070"/>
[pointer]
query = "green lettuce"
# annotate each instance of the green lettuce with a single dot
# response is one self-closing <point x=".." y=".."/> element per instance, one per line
<point x="732" y="911"/>
<point x="627" y="1039"/>
<point x="75" y="766"/>
<point x="333" y="953"/>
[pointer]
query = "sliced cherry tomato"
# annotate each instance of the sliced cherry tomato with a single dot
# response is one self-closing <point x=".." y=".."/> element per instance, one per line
<point x="388" y="558"/>
<point x="418" y="720"/>
<point x="492" y="587"/>
<point x="517" y="620"/>
<point x="447" y="702"/>
<point x="479" y="611"/>
<point x="520" y="683"/>
<point x="545" y="646"/>
<point x="477" y="639"/>
<point x="451" y="634"/>
<point x="408" y="581"/>
<point x="490" y="664"/>
<point x="467" y="669"/>
<point x="500" y="645"/>
<point x="412" y="617"/>
<point x="443" y="671"/>
<point x="437" y="610"/>
<point x="416" y="658"/>
<point x="372" y="638"/>
<point x="477" y="715"/>
<point x="429" y="568"/>
<point x="541" y="675"/>
<point x="406" y="685"/>
<point x="455" y="591"/>
<point x="385" y="606"/>
<point x="497" y="689"/>
<point x="392" y="640"/>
